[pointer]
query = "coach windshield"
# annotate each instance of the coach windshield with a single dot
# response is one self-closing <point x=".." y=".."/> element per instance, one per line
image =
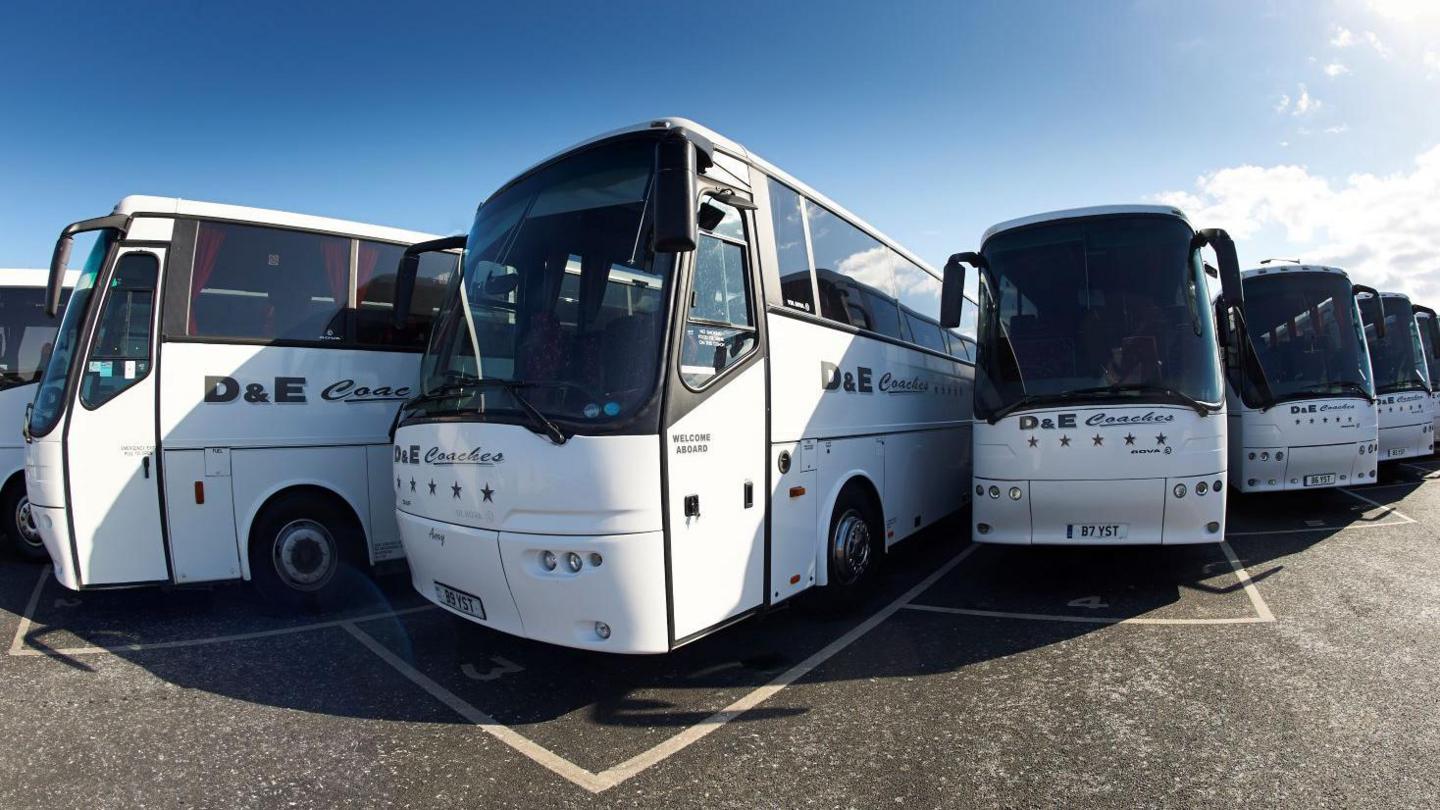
<point x="1106" y="308"/>
<point x="560" y="312"/>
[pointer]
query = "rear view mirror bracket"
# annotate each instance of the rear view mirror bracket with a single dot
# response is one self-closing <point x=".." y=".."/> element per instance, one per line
<point x="410" y="267"/>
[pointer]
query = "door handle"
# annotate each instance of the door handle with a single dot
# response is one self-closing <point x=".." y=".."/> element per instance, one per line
<point x="692" y="506"/>
<point x="749" y="494"/>
<point x="145" y="464"/>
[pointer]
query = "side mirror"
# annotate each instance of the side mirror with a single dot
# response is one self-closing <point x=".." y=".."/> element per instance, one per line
<point x="675" y="205"/>
<point x="952" y="291"/>
<point x="1373" y="312"/>
<point x="55" y="285"/>
<point x="410" y="267"/>
<point x="1224" y="248"/>
<point x="1431" y="326"/>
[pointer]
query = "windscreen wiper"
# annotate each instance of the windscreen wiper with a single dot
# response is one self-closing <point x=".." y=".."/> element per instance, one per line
<point x="460" y="384"/>
<point x="1146" y="388"/>
<point x="1347" y="385"/>
<point x="1025" y="402"/>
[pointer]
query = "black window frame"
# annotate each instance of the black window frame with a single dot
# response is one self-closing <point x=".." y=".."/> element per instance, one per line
<point x="156" y="308"/>
<point x="752" y="302"/>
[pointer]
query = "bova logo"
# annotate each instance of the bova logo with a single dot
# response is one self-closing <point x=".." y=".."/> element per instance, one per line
<point x="441" y="458"/>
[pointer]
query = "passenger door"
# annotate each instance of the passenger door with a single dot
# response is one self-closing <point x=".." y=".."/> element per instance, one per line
<point x="715" y="444"/>
<point x="114" y="498"/>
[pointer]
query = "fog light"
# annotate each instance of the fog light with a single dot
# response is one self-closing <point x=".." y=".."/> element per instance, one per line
<point x="1272" y="482"/>
<point x="994" y="491"/>
<point x="547" y="559"/>
<point x="596" y="559"/>
<point x="1216" y="486"/>
<point x="1362" y="449"/>
<point x="1252" y="456"/>
<point x="1202" y="488"/>
<point x="1280" y="456"/>
<point x="1213" y="526"/>
<point x="602" y="630"/>
<point x="1264" y="455"/>
<point x="983" y="528"/>
<point x="1015" y="493"/>
<point x="1250" y="482"/>
<point x="573" y="560"/>
<point x="979" y="489"/>
<point x="1179" y="490"/>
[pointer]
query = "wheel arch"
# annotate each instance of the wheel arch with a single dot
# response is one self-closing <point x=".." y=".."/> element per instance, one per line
<point x="308" y="489"/>
<point x="857" y="479"/>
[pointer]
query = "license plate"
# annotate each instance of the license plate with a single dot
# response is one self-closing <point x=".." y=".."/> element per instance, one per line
<point x="1394" y="451"/>
<point x="458" y="600"/>
<point x="1096" y="531"/>
<point x="1324" y="479"/>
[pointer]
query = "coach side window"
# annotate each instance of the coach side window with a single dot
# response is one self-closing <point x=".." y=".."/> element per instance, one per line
<point x="376" y="264"/>
<point x="265" y="284"/>
<point x="120" y="354"/>
<point x="720" y="325"/>
<point x="794" y="259"/>
<point x="855" y="274"/>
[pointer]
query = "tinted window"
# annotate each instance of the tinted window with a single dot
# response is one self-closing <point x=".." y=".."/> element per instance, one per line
<point x="120" y="354"/>
<point x="855" y="273"/>
<point x="268" y="284"/>
<point x="27" y="334"/>
<point x="925" y="331"/>
<point x="376" y="263"/>
<point x="795" y="288"/>
<point x="720" y="326"/>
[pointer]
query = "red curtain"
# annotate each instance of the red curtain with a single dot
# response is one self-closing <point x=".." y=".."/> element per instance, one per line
<point x="337" y="268"/>
<point x="207" y="250"/>
<point x="365" y="269"/>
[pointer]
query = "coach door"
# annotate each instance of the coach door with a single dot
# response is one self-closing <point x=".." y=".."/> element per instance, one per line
<point x="110" y="440"/>
<point x="715" y="443"/>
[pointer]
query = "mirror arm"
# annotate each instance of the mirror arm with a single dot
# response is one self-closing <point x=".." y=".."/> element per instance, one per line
<point x="1357" y="290"/>
<point x="61" y="257"/>
<point x="409" y="267"/>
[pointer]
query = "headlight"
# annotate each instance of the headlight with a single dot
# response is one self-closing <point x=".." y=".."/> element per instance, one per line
<point x="1015" y="493"/>
<point x="1201" y="488"/>
<point x="1179" y="490"/>
<point x="547" y="559"/>
<point x="573" y="560"/>
<point x="994" y="491"/>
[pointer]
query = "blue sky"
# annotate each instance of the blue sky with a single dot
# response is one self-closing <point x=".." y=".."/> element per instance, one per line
<point x="1307" y="128"/>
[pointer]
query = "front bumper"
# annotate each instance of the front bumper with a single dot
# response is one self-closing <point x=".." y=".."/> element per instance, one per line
<point x="621" y="583"/>
<point x="55" y="532"/>
<point x="1407" y="441"/>
<point x="1056" y="512"/>
<point x="1279" y="469"/>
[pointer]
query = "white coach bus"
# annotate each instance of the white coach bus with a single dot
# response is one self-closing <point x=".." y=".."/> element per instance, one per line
<point x="26" y="338"/>
<point x="1099" y="406"/>
<point x="1402" y="376"/>
<point x="675" y="387"/>
<point x="218" y="400"/>
<point x="1429" y="326"/>
<point x="1299" y="389"/>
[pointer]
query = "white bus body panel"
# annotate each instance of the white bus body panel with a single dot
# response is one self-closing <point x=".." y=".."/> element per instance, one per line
<point x="1100" y="466"/>
<point x="1304" y="444"/>
<point x="12" y="416"/>
<point x="1406" y="425"/>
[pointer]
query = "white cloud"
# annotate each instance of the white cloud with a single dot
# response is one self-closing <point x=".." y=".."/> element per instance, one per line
<point x="1336" y="69"/>
<point x="1380" y="47"/>
<point x="1337" y="129"/>
<point x="1283" y="104"/>
<point x="1383" y="229"/>
<point x="1305" y="103"/>
<point x="1432" y="64"/>
<point x="1342" y="38"/>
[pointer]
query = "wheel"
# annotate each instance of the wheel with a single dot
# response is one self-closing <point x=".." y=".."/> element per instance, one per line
<point x="301" y="550"/>
<point x="852" y="547"/>
<point x="19" y="523"/>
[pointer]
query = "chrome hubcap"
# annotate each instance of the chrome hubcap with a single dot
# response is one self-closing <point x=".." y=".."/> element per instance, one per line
<point x="850" y="547"/>
<point x="305" y="555"/>
<point x="25" y="524"/>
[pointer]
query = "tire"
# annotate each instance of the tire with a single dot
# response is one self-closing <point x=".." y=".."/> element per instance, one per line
<point x="853" y="547"/>
<point x="303" y="552"/>
<point x="19" y="524"/>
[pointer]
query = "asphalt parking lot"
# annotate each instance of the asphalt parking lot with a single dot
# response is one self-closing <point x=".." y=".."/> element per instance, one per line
<point x="1293" y="665"/>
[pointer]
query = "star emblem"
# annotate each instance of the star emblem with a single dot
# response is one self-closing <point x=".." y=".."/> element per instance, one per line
<point x="1034" y="441"/>
<point x="1064" y="441"/>
<point x="1160" y="439"/>
<point x="412" y="484"/>
<point x="432" y="486"/>
<point x="1129" y="438"/>
<point x="1097" y="439"/>
<point x="455" y="489"/>
<point x="487" y="492"/>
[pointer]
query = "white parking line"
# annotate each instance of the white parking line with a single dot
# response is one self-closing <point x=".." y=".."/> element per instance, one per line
<point x="1337" y="529"/>
<point x="610" y="777"/>
<point x="20" y="648"/>
<point x="1262" y="610"/>
<point x="1386" y="507"/>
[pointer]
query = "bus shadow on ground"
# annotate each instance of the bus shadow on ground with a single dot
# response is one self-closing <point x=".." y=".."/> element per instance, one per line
<point x="597" y="709"/>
